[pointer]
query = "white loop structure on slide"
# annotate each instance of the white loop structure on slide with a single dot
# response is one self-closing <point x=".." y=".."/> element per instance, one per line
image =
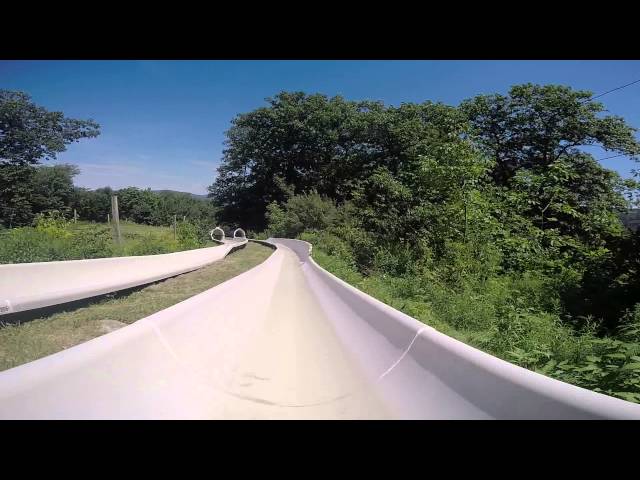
<point x="235" y="233"/>
<point x="217" y="229"/>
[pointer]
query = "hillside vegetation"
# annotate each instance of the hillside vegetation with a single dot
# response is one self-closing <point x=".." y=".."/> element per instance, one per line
<point x="485" y="220"/>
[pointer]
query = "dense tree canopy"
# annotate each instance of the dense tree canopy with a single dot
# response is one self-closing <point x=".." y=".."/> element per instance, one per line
<point x="500" y="177"/>
<point x="29" y="133"/>
<point x="93" y="205"/>
<point x="143" y="206"/>
<point x="303" y="142"/>
<point x="53" y="188"/>
<point x="535" y="126"/>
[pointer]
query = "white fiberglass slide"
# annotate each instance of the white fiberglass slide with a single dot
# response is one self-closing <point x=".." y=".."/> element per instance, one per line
<point x="25" y="286"/>
<point x="287" y="340"/>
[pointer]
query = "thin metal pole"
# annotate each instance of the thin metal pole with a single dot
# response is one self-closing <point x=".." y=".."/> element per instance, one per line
<point x="174" y="226"/>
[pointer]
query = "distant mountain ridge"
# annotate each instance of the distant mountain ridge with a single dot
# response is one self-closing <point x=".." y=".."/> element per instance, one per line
<point x="192" y="195"/>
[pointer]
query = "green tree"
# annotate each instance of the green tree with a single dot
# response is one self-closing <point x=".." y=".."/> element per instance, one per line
<point x="137" y="205"/>
<point x="534" y="135"/>
<point x="298" y="143"/>
<point x="535" y="125"/>
<point x="198" y="211"/>
<point x="53" y="188"/>
<point x="15" y="195"/>
<point x="29" y="134"/>
<point x="92" y="205"/>
<point x="305" y="212"/>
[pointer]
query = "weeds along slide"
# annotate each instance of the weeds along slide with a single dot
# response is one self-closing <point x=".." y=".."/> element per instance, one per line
<point x="287" y="339"/>
<point x="428" y="375"/>
<point x="26" y="286"/>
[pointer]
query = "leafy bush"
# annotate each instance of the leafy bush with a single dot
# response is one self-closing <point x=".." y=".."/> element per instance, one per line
<point x="26" y="244"/>
<point x="257" y="235"/>
<point x="301" y="212"/>
<point x="189" y="236"/>
<point x="53" y="238"/>
<point x="149" y="244"/>
<point x="515" y="317"/>
<point x="91" y="242"/>
<point x="331" y="244"/>
<point x="53" y="224"/>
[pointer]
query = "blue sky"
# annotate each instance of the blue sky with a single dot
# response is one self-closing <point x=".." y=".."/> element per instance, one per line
<point x="163" y="122"/>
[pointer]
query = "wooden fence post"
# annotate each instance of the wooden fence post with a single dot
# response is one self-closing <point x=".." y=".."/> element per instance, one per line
<point x="116" y="217"/>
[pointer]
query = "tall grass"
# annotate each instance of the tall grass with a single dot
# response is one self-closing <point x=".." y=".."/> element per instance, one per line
<point x="54" y="238"/>
<point x="515" y="317"/>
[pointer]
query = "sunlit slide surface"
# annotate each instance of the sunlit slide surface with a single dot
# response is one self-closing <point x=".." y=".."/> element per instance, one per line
<point x="287" y="340"/>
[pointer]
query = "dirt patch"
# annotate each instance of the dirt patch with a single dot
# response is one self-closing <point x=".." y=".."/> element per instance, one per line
<point x="107" y="326"/>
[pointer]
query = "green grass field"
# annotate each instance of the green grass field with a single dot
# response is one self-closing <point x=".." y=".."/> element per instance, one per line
<point x="127" y="228"/>
<point x="52" y="333"/>
<point x="131" y="231"/>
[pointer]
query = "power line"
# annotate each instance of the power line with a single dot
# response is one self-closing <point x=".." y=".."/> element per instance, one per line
<point x="612" y="90"/>
<point x="603" y="94"/>
<point x="618" y="155"/>
<point x="612" y="156"/>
